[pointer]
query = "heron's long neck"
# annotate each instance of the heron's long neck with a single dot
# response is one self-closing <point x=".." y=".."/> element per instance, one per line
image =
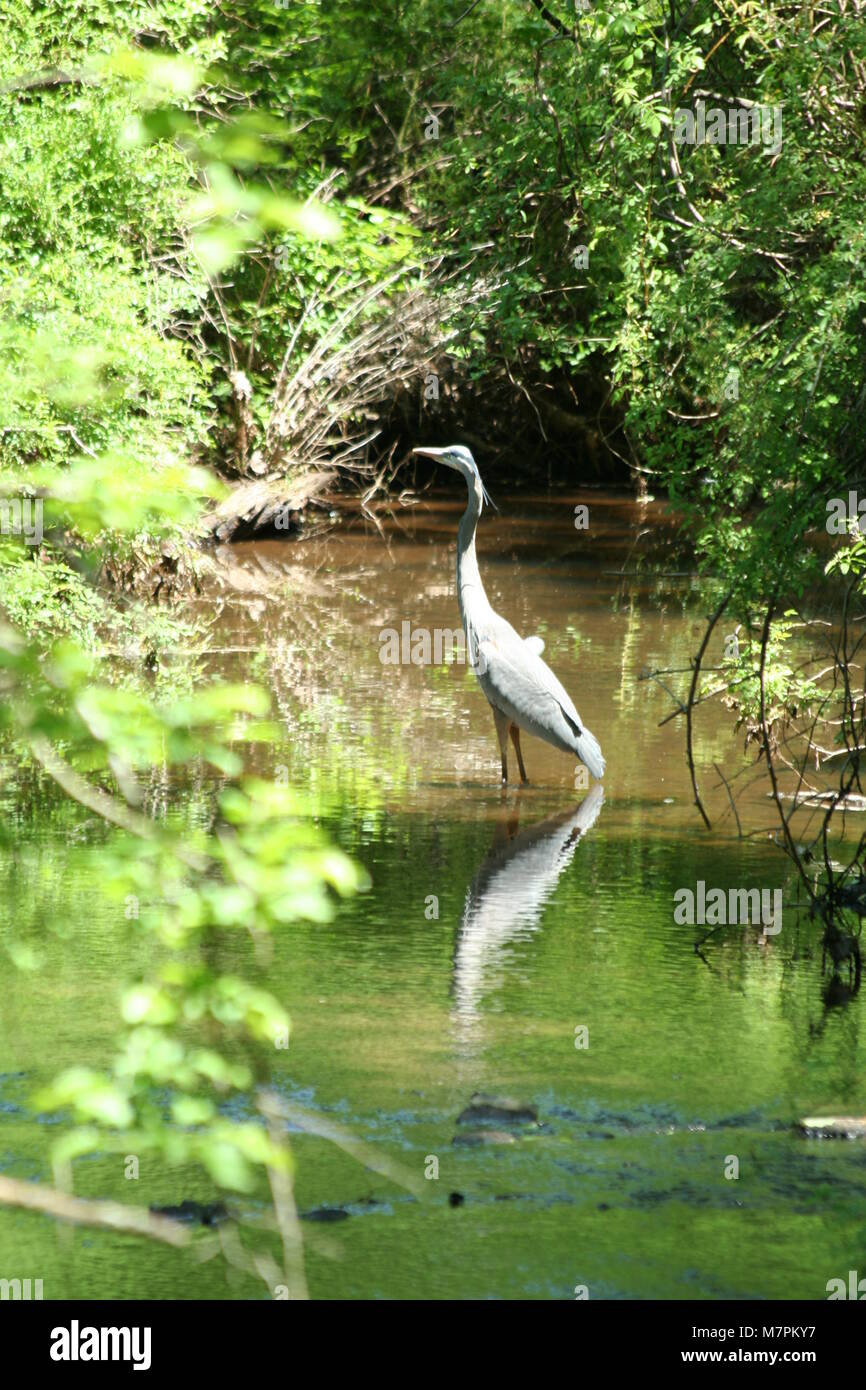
<point x="470" y="590"/>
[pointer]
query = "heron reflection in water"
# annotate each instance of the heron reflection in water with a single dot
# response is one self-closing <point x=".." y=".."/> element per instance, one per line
<point x="505" y="900"/>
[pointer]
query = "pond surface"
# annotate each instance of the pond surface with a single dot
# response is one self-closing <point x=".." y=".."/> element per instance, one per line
<point x="519" y="944"/>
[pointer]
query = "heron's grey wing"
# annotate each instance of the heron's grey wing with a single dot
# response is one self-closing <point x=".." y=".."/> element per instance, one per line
<point x="523" y="686"/>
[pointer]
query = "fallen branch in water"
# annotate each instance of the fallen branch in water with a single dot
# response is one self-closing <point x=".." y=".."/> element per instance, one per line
<point x="852" y="802"/>
<point x="356" y="1148"/>
<point x="113" y="1216"/>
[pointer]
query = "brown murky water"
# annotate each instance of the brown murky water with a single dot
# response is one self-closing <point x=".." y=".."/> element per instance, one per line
<point x="611" y="602"/>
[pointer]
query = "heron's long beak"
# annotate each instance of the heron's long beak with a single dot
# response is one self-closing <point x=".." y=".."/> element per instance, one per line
<point x="438" y="454"/>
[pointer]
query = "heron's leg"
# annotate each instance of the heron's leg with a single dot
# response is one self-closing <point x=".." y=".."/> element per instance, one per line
<point x="515" y="739"/>
<point x="502" y="721"/>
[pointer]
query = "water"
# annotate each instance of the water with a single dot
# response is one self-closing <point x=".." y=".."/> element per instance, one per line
<point x="497" y="928"/>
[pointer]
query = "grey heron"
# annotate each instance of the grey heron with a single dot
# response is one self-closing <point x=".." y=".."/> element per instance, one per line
<point x="522" y="691"/>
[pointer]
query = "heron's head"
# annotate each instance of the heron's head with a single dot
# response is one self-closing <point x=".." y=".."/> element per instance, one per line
<point x="458" y="457"/>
